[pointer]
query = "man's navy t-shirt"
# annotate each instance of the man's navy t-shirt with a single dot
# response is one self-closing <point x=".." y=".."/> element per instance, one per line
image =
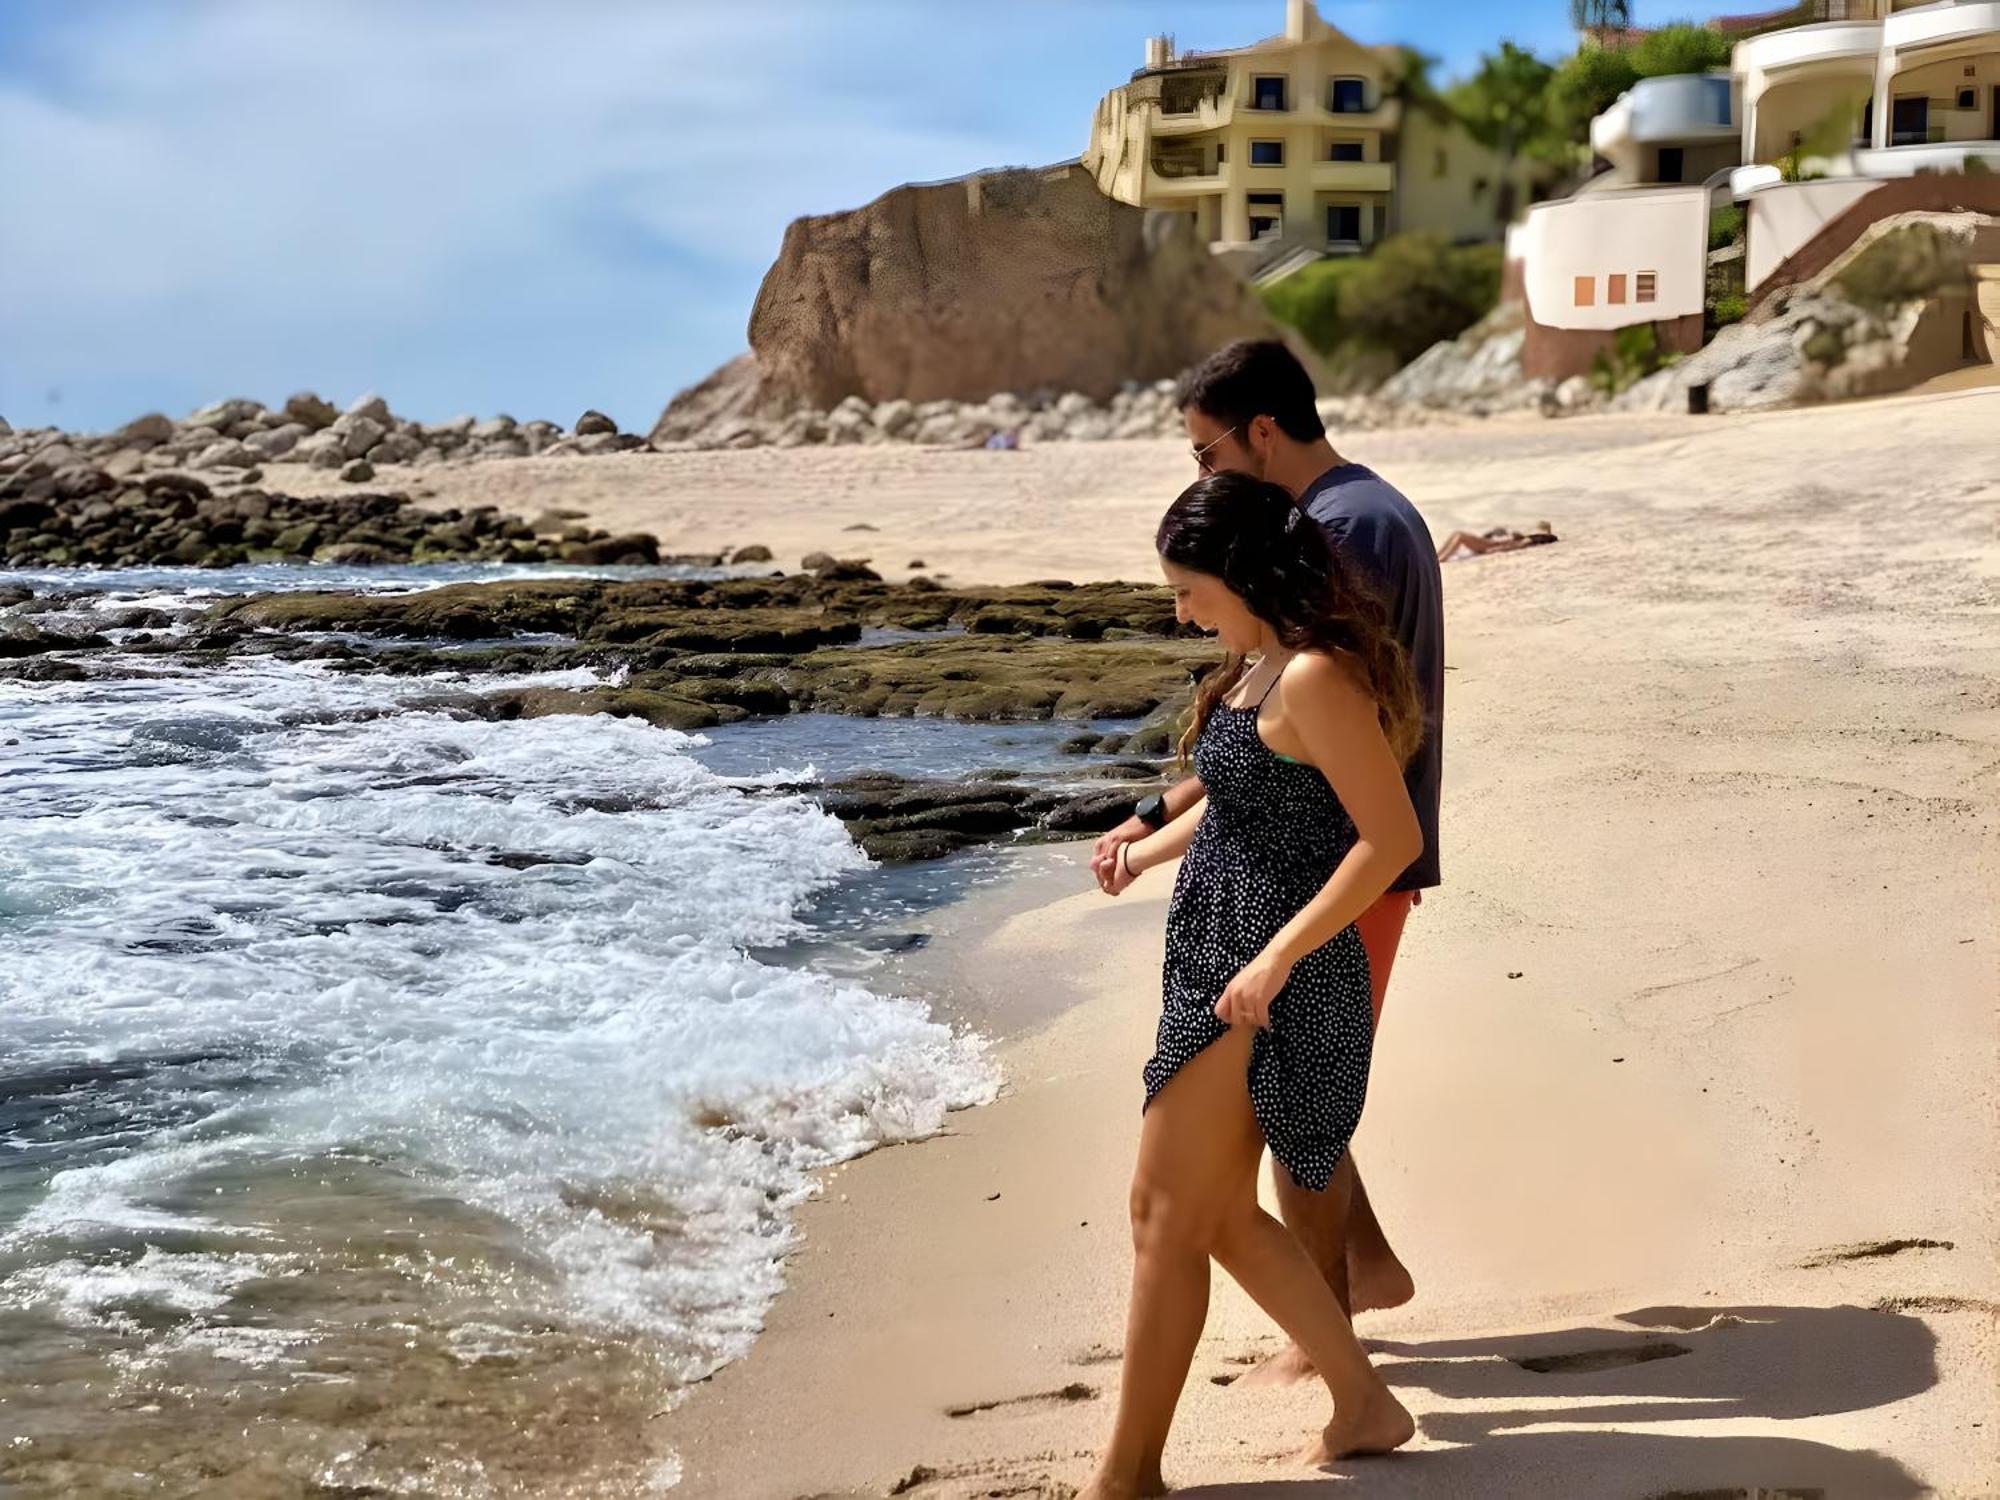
<point x="1371" y="523"/>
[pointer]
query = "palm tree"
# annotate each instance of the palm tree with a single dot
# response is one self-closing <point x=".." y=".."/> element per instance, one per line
<point x="1600" y="15"/>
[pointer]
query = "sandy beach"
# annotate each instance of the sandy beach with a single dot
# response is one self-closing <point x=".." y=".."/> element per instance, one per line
<point x="1684" y="1108"/>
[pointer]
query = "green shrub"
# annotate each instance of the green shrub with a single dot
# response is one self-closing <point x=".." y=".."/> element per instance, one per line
<point x="1416" y="290"/>
<point x="1634" y="354"/>
<point x="1373" y="314"/>
<point x="1310" y="301"/>
<point x="1911" y="263"/>
<point x="1826" y="347"/>
<point x="1729" y="308"/>
<point x="1725" y="226"/>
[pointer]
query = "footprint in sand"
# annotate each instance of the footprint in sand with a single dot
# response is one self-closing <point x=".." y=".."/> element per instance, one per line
<point x="988" y="1483"/>
<point x="1008" y="1405"/>
<point x="1097" y="1354"/>
<point x="1591" y="1361"/>
<point x="1870" y="1250"/>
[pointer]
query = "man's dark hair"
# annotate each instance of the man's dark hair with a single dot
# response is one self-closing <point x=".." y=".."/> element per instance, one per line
<point x="1254" y="378"/>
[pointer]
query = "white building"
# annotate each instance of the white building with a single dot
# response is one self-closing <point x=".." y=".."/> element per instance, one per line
<point x="1812" y="119"/>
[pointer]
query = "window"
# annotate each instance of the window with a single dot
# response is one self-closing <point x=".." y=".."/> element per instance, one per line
<point x="1347" y="151"/>
<point x="1348" y="96"/>
<point x="1586" y="291"/>
<point x="1614" y="288"/>
<point x="1267" y="214"/>
<point x="1267" y="153"/>
<point x="1673" y="164"/>
<point x="1343" y="223"/>
<point x="1967" y="99"/>
<point x="1221" y="152"/>
<point x="1647" y="287"/>
<point x="1268" y="93"/>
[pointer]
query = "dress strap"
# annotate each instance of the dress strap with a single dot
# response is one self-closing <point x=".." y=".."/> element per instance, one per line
<point x="1271" y="686"/>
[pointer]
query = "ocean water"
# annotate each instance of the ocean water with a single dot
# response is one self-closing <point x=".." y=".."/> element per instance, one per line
<point x="395" y="1104"/>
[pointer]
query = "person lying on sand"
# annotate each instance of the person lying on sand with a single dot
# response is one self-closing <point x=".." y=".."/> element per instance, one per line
<point x="1299" y="737"/>
<point x="1500" y="539"/>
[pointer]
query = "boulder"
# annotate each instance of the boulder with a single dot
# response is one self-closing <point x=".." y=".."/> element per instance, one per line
<point x="594" y="422"/>
<point x="637" y="547"/>
<point x="309" y="411"/>
<point x="222" y="415"/>
<point x="226" y="453"/>
<point x="357" y="471"/>
<point x="751" y="554"/>
<point x="148" y="431"/>
<point x="358" y="431"/>
<point x="396" y="448"/>
<point x="374" y="408"/>
<point x="276" y="442"/>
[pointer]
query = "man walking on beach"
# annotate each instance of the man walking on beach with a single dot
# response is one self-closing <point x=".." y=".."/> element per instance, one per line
<point x="1250" y="407"/>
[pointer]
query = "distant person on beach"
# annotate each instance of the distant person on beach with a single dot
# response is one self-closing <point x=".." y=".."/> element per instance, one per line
<point x="1299" y="738"/>
<point x="1250" y="409"/>
<point x="1500" y="539"/>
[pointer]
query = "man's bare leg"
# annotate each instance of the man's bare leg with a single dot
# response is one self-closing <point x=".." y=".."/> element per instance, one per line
<point x="1345" y="1240"/>
<point x="1318" y="1221"/>
<point x="1376" y="1277"/>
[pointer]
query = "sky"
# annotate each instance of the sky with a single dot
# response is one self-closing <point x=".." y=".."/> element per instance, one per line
<point x="500" y="206"/>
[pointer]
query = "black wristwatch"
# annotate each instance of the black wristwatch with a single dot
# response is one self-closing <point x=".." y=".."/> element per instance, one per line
<point x="1152" y="812"/>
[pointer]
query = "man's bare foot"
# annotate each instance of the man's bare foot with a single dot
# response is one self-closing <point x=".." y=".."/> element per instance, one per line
<point x="1287" y="1367"/>
<point x="1378" y="1283"/>
<point x="1376" y="1426"/>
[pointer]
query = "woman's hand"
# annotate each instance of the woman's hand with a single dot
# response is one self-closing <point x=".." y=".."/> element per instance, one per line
<point x="1246" y="1001"/>
<point x="1115" y="875"/>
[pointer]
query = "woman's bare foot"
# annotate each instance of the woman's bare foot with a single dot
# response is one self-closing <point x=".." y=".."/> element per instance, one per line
<point x="1287" y="1367"/>
<point x="1377" y="1425"/>
<point x="1378" y="1283"/>
<point x="1111" y="1487"/>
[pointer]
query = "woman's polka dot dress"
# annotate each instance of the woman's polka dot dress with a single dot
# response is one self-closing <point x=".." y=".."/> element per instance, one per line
<point x="1272" y="835"/>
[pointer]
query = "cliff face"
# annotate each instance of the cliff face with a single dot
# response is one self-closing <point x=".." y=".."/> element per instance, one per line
<point x="1008" y="281"/>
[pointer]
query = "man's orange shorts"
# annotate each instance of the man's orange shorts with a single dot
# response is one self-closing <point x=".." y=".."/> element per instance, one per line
<point x="1381" y="929"/>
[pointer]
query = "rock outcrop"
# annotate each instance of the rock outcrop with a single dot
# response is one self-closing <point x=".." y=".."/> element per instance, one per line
<point x="1011" y="281"/>
<point x="1887" y="314"/>
<point x="1003" y="281"/>
<point x="84" y="515"/>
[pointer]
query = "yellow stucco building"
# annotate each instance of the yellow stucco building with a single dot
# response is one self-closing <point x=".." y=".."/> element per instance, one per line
<point x="1300" y="138"/>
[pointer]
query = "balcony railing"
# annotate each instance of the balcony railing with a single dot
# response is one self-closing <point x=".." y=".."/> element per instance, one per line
<point x="1182" y="166"/>
<point x="1186" y="95"/>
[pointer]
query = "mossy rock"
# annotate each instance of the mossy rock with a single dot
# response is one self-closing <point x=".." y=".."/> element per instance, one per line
<point x="661" y="710"/>
<point x="759" y="630"/>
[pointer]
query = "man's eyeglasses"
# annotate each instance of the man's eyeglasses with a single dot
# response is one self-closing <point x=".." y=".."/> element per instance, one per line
<point x="1201" y="453"/>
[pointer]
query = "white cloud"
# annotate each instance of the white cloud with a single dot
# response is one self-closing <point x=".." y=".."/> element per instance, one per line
<point x="265" y="196"/>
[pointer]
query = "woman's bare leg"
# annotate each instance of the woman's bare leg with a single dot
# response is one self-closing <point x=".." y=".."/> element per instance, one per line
<point x="1195" y="1195"/>
<point x="1194" y="1161"/>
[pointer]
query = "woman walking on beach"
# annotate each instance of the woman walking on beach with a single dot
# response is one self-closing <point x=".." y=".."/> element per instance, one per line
<point x="1299" y="738"/>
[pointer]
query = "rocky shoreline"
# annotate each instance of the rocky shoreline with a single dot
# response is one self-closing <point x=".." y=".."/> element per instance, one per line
<point x="694" y="654"/>
<point x="60" y="509"/>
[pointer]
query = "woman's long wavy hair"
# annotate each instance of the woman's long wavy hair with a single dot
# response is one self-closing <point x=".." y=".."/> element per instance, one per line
<point x="1274" y="558"/>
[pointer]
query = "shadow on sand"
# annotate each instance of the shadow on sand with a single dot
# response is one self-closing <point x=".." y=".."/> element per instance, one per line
<point x="1658" y="1364"/>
